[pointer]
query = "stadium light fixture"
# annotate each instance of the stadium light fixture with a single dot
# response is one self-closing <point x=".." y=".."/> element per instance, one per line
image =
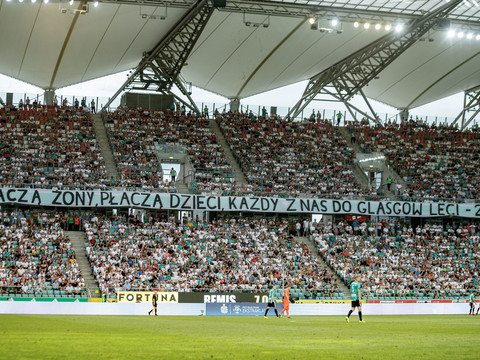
<point x="20" y="1"/>
<point x="45" y="1"/>
<point x="366" y="25"/>
<point x="475" y="3"/>
<point x="451" y="33"/>
<point x="378" y="26"/>
<point x="356" y="24"/>
<point x="71" y="2"/>
<point x="33" y="1"/>
<point x="477" y="37"/>
<point x="399" y="28"/>
<point x="95" y="4"/>
<point x="334" y="22"/>
<point x="388" y="27"/>
<point x="470" y="36"/>
<point x="460" y="35"/>
<point x="312" y="20"/>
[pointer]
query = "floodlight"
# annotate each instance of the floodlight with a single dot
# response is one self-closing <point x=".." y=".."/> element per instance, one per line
<point x="378" y="26"/>
<point x="399" y="28"/>
<point x="356" y="24"/>
<point x="388" y="27"/>
<point x="95" y="4"/>
<point x="460" y="35"/>
<point x="470" y="36"/>
<point x="451" y="33"/>
<point x="334" y="22"/>
<point x="312" y="20"/>
<point x="366" y="25"/>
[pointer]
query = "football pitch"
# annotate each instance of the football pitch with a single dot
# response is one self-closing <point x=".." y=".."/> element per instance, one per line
<point x="306" y="337"/>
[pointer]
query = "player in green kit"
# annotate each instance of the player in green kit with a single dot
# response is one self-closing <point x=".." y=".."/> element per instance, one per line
<point x="472" y="304"/>
<point x="271" y="301"/>
<point x="356" y="299"/>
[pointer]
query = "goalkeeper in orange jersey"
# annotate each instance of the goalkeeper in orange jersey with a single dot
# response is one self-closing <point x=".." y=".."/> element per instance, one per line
<point x="286" y="301"/>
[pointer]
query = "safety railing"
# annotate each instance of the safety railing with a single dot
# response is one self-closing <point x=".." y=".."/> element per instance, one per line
<point x="308" y="114"/>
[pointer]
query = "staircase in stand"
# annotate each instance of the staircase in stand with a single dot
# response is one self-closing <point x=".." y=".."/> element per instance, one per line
<point x="358" y="173"/>
<point x="102" y="138"/>
<point x="388" y="171"/>
<point x="236" y="170"/>
<point x="310" y="245"/>
<point x="77" y="238"/>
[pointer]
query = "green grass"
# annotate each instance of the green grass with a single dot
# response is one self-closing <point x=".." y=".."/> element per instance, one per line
<point x="315" y="337"/>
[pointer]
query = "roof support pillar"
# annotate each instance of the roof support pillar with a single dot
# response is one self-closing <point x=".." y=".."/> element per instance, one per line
<point x="234" y="105"/>
<point x="159" y="70"/>
<point x="404" y="114"/>
<point x="48" y="96"/>
<point x="348" y="76"/>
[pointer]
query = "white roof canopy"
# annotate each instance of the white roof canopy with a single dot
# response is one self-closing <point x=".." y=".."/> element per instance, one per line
<point x="50" y="49"/>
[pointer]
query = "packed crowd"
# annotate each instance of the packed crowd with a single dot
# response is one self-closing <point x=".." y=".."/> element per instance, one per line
<point x="135" y="133"/>
<point x="398" y="260"/>
<point x="437" y="162"/>
<point x="49" y="146"/>
<point x="38" y="259"/>
<point x="221" y="255"/>
<point x="278" y="156"/>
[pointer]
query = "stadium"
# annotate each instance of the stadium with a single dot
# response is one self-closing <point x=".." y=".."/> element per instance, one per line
<point x="149" y="224"/>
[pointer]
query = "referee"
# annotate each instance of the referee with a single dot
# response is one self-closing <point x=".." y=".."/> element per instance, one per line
<point x="154" y="303"/>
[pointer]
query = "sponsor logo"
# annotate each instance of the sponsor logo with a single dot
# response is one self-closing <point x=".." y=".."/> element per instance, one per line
<point x="219" y="298"/>
<point x="146" y="297"/>
<point x="235" y="309"/>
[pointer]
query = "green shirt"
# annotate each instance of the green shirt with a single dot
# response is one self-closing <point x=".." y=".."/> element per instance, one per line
<point x="354" y="287"/>
<point x="471" y="298"/>
<point x="271" y="295"/>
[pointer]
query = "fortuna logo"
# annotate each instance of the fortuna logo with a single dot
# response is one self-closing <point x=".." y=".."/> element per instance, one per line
<point x="236" y="309"/>
<point x="224" y="309"/>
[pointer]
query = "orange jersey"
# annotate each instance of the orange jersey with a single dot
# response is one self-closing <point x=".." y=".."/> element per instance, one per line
<point x="286" y="296"/>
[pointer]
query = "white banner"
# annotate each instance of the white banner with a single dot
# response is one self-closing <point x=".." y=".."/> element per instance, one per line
<point x="98" y="308"/>
<point x="183" y="202"/>
<point x="72" y="308"/>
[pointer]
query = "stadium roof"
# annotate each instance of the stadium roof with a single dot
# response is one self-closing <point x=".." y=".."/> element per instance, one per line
<point x="248" y="48"/>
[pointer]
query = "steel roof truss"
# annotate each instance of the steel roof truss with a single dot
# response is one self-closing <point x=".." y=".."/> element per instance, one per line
<point x="471" y="102"/>
<point x="159" y="70"/>
<point x="351" y="74"/>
